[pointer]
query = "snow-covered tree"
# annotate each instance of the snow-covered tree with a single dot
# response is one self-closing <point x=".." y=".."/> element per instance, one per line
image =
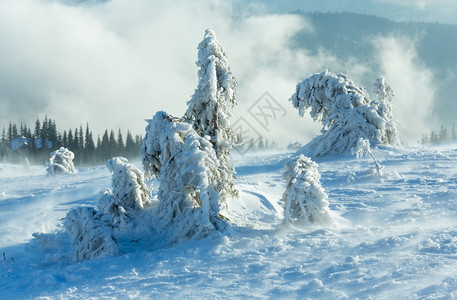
<point x="128" y="184"/>
<point x="91" y="233"/>
<point x="384" y="95"/>
<point x="129" y="193"/>
<point x="151" y="146"/>
<point x="346" y="112"/>
<point x="61" y="161"/>
<point x="363" y="148"/>
<point x="209" y="108"/>
<point x="305" y="200"/>
<point x="188" y="172"/>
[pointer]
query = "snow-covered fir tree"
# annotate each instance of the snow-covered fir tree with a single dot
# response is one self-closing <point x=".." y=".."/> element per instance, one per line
<point x="346" y="112"/>
<point x="91" y="233"/>
<point x="61" y="162"/>
<point x="305" y="200"/>
<point x="151" y="146"/>
<point x="383" y="102"/>
<point x="209" y="108"/>
<point x="129" y="193"/>
<point x="188" y="171"/>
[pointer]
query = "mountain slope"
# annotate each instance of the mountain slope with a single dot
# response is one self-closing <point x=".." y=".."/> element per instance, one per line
<point x="397" y="237"/>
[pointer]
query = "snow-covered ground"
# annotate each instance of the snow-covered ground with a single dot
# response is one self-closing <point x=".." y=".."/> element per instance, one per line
<point x="396" y="238"/>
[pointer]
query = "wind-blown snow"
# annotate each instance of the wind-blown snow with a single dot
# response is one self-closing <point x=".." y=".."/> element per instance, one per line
<point x="396" y="236"/>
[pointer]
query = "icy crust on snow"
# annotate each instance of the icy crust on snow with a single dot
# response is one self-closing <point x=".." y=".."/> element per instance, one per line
<point x="61" y="162"/>
<point x="346" y="113"/>
<point x="305" y="200"/>
<point x="399" y="243"/>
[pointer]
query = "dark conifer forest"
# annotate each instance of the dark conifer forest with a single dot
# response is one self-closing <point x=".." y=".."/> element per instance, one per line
<point x="20" y="143"/>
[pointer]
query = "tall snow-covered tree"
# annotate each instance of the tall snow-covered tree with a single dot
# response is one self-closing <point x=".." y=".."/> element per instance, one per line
<point x="305" y="200"/>
<point x="383" y="102"/>
<point x="209" y="108"/>
<point x="346" y="112"/>
<point x="189" y="172"/>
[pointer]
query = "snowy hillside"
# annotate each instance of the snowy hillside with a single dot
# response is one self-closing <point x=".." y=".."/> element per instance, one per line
<point x="396" y="238"/>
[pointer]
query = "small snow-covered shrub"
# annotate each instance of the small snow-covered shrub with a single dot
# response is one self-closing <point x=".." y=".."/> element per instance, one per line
<point x="305" y="200"/>
<point x="346" y="113"/>
<point x="128" y="186"/>
<point x="188" y="172"/>
<point x="91" y="233"/>
<point x="129" y="193"/>
<point x="363" y="148"/>
<point x="61" y="162"/>
<point x="108" y="204"/>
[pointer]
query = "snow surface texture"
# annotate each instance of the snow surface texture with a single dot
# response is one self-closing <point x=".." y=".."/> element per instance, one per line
<point x="209" y="108"/>
<point x="61" y="162"/>
<point x="305" y="200"/>
<point x="400" y="240"/>
<point x="346" y="113"/>
<point x="189" y="175"/>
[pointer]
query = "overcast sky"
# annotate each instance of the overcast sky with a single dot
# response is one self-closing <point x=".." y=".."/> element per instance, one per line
<point x="116" y="62"/>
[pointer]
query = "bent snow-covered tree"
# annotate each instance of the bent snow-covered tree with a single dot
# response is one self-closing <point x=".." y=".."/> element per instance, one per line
<point x="346" y="112"/>
<point x="61" y="162"/>
<point x="305" y="200"/>
<point x="129" y="193"/>
<point x="209" y="108"/>
<point x="188" y="172"/>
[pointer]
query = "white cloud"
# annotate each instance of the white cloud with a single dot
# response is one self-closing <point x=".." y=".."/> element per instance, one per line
<point x="115" y="63"/>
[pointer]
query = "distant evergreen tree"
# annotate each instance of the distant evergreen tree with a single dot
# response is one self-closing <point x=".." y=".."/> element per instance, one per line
<point x="443" y="135"/>
<point x="131" y="149"/>
<point x="112" y="145"/>
<point x="434" y="138"/>
<point x="37" y="131"/>
<point x="89" y="146"/>
<point x="65" y="139"/>
<point x="453" y="133"/>
<point x="120" y="144"/>
<point x="104" y="152"/>
<point x="70" y="139"/>
<point x="424" y="139"/>
<point x="14" y="133"/>
<point x="80" y="142"/>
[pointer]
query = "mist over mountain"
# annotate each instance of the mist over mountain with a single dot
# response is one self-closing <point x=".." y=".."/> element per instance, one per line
<point x="441" y="11"/>
<point x="357" y="37"/>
